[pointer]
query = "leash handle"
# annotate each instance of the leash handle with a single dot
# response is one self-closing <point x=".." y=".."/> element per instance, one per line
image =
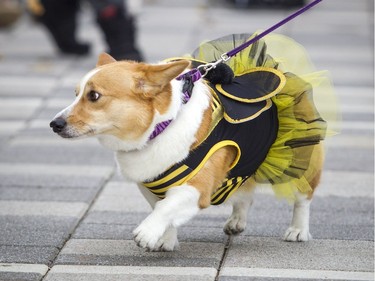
<point x="227" y="56"/>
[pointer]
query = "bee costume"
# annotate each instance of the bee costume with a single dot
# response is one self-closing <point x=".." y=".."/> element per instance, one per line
<point x="266" y="112"/>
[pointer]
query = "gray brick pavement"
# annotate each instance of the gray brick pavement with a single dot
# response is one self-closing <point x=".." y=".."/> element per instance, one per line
<point x="65" y="213"/>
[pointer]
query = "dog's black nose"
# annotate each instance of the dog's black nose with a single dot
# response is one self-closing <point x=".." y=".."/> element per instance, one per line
<point x="58" y="124"/>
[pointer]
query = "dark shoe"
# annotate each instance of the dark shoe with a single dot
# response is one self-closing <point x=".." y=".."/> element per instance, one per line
<point x="59" y="18"/>
<point x="80" y="49"/>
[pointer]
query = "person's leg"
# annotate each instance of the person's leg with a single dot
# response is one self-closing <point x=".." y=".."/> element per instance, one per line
<point x="60" y="19"/>
<point x="118" y="28"/>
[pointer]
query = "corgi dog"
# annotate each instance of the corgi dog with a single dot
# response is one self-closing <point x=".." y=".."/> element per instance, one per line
<point x="138" y="110"/>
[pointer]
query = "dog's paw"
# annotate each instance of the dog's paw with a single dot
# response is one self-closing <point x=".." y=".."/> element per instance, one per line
<point x="235" y="225"/>
<point x="148" y="233"/>
<point x="168" y="242"/>
<point x="294" y="234"/>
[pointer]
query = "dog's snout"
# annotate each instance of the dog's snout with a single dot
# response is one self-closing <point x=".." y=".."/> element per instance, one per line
<point x="58" y="124"/>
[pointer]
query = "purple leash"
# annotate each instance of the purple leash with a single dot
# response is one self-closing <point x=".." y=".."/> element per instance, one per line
<point x="269" y="30"/>
<point x="226" y="56"/>
<point x="195" y="74"/>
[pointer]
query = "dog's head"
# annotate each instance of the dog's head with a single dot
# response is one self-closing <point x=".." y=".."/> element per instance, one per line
<point x="118" y="99"/>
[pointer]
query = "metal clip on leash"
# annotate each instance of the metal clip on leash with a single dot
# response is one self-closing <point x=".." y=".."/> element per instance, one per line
<point x="205" y="68"/>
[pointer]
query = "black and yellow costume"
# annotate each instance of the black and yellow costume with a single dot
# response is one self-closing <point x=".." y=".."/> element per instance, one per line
<point x="268" y="115"/>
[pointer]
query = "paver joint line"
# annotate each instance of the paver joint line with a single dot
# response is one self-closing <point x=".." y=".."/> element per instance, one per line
<point x="223" y="258"/>
<point x="52" y="262"/>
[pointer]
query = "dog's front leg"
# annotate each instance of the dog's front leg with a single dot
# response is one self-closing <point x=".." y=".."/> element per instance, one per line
<point x="168" y="242"/>
<point x="179" y="206"/>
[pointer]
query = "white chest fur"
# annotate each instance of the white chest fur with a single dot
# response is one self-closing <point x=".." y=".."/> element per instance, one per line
<point x="173" y="144"/>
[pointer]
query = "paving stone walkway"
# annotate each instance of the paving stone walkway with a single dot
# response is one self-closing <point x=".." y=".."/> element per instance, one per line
<point x="66" y="214"/>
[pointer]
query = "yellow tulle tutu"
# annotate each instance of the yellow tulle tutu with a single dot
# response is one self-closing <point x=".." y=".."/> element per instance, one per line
<point x="304" y="117"/>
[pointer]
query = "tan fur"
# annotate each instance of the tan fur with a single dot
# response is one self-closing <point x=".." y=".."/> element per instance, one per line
<point x="104" y="58"/>
<point x="318" y="157"/>
<point x="213" y="173"/>
<point x="127" y="106"/>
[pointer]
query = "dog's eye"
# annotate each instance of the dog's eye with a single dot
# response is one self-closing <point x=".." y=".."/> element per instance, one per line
<point x="93" y="96"/>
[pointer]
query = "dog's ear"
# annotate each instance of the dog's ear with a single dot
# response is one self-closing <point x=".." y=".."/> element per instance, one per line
<point x="164" y="73"/>
<point x="104" y="58"/>
<point x="156" y="77"/>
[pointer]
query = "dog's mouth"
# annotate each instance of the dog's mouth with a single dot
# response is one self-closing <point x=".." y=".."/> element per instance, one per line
<point x="65" y="130"/>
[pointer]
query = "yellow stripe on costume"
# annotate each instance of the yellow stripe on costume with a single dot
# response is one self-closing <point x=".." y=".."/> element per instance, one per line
<point x="162" y="191"/>
<point x="167" y="178"/>
<point x="212" y="151"/>
<point x="229" y="189"/>
<point x="153" y="186"/>
<point x="236" y="187"/>
<point x="220" y="192"/>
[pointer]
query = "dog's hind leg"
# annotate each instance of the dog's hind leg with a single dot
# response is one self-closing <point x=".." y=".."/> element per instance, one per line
<point x="299" y="228"/>
<point x="241" y="201"/>
<point x="168" y="242"/>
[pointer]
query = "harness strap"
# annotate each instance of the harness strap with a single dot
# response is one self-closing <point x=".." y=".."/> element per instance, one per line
<point x="187" y="89"/>
<point x="189" y="77"/>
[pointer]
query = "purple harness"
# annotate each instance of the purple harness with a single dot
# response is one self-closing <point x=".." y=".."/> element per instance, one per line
<point x="189" y="78"/>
